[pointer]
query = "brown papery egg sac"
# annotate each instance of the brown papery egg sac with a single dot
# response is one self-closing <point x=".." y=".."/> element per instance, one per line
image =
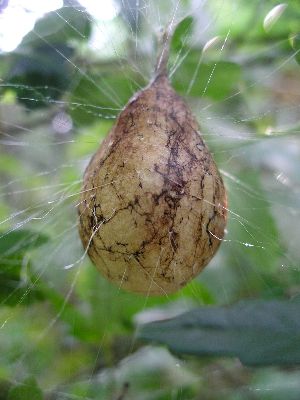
<point x="153" y="205"/>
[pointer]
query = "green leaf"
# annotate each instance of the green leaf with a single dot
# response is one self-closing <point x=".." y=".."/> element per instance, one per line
<point x="19" y="241"/>
<point x="44" y="57"/>
<point x="111" y="310"/>
<point x="33" y="67"/>
<point x="60" y="26"/>
<point x="79" y="325"/>
<point x="215" y="80"/>
<point x="17" y="284"/>
<point x="295" y="43"/>
<point x="253" y="252"/>
<point x="183" y="30"/>
<point x="27" y="390"/>
<point x="249" y="24"/>
<point x="257" y="332"/>
<point x="16" y="281"/>
<point x="90" y="138"/>
<point x="101" y="96"/>
<point x="255" y="243"/>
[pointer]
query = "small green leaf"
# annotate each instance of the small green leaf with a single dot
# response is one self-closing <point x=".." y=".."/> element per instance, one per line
<point x="27" y="390"/>
<point x="183" y="30"/>
<point x="257" y="332"/>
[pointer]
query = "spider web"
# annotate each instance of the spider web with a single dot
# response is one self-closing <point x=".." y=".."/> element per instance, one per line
<point x="48" y="134"/>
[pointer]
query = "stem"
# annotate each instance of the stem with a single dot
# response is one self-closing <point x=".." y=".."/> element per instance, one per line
<point x="162" y="59"/>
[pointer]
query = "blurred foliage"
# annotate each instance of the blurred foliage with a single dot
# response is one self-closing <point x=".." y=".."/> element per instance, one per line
<point x="65" y="332"/>
<point x="27" y="390"/>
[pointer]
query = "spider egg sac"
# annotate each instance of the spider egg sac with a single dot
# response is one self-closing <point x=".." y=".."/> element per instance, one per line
<point x="153" y="205"/>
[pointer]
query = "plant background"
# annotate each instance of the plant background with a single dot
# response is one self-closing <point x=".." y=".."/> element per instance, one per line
<point x="65" y="332"/>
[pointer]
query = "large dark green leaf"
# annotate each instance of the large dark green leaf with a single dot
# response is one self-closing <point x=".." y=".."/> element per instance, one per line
<point x="41" y="74"/>
<point x="60" y="26"/>
<point x="41" y="68"/>
<point x="257" y="332"/>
